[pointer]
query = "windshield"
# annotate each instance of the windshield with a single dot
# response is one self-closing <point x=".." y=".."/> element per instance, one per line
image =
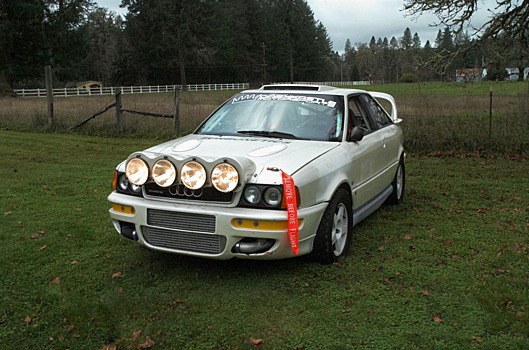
<point x="279" y="115"/>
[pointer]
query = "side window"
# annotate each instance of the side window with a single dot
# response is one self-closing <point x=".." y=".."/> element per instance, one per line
<point x="357" y="115"/>
<point x="379" y="115"/>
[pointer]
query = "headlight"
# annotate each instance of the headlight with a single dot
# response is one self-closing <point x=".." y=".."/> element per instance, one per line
<point x="164" y="173"/>
<point x="135" y="188"/>
<point x="273" y="197"/>
<point x="137" y="171"/>
<point x="193" y="175"/>
<point x="252" y="194"/>
<point x="225" y="177"/>
<point x="123" y="183"/>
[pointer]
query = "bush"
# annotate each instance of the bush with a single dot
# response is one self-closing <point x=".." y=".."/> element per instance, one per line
<point x="5" y="90"/>
<point x="408" y="78"/>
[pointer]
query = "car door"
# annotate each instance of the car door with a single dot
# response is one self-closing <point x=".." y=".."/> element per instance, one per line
<point x="365" y="155"/>
<point x="390" y="137"/>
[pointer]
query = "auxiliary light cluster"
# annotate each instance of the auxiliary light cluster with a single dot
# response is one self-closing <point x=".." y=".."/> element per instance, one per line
<point x="193" y="175"/>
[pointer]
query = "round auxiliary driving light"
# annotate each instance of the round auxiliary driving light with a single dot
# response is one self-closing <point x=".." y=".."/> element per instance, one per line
<point x="193" y="175"/>
<point x="224" y="177"/>
<point x="252" y="194"/>
<point x="164" y="173"/>
<point x="273" y="197"/>
<point x="137" y="171"/>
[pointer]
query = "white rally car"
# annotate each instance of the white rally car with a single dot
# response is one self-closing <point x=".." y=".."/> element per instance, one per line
<point x="276" y="172"/>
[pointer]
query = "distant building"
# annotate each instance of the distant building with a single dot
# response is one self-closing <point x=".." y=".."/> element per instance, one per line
<point x="512" y="73"/>
<point x="86" y="85"/>
<point x="89" y="85"/>
<point x="470" y="75"/>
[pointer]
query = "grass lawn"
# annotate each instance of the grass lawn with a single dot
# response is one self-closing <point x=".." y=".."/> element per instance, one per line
<point x="451" y="89"/>
<point x="448" y="269"/>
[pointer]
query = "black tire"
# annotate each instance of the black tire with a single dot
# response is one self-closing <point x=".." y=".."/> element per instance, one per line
<point x="398" y="184"/>
<point x="336" y="225"/>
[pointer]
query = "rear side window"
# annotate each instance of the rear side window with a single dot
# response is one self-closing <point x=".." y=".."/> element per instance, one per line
<point x="380" y="117"/>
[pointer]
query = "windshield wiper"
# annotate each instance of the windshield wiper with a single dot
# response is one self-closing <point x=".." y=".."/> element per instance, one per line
<point x="274" y="134"/>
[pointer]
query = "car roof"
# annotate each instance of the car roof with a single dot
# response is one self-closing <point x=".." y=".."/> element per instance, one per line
<point x="308" y="88"/>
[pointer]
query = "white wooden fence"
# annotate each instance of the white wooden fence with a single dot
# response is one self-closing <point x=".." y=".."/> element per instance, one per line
<point x="67" y="92"/>
<point x="335" y="83"/>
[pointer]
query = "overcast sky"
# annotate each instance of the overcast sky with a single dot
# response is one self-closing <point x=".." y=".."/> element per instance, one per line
<point x="359" y="20"/>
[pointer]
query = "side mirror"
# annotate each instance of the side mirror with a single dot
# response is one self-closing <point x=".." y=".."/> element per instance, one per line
<point x="357" y="134"/>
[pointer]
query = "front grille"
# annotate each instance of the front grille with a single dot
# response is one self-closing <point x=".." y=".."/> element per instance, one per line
<point x="205" y="194"/>
<point x="188" y="241"/>
<point x="181" y="221"/>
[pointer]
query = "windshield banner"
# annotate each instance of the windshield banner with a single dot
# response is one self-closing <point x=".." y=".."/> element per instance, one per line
<point x="318" y="100"/>
<point x="289" y="191"/>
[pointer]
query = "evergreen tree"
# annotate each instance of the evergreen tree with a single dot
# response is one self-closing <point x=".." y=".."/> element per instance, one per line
<point x="439" y="39"/>
<point x="416" y="42"/>
<point x="447" y="42"/>
<point x="406" y="42"/>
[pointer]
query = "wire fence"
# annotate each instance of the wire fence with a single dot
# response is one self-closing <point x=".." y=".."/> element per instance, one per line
<point x="126" y="90"/>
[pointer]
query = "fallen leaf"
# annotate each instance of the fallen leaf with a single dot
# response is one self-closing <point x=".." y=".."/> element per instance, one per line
<point x="381" y="248"/>
<point x="56" y="280"/>
<point x="110" y="347"/>
<point x="43" y="247"/>
<point x="135" y="335"/>
<point x="437" y="319"/>
<point x="27" y="320"/>
<point x="118" y="275"/>
<point x="346" y="311"/>
<point x="149" y="343"/>
<point x="425" y="292"/>
<point x="75" y="262"/>
<point x="408" y="237"/>
<point x="477" y="339"/>
<point x="8" y="213"/>
<point x="176" y="301"/>
<point x="121" y="290"/>
<point x="255" y="341"/>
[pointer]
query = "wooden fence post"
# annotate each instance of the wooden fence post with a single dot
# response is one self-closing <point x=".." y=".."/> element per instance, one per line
<point x="490" y="113"/>
<point x="119" y="119"/>
<point x="49" y="94"/>
<point x="176" y="111"/>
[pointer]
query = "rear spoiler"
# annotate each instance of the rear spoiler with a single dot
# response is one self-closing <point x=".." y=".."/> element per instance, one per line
<point x="391" y="100"/>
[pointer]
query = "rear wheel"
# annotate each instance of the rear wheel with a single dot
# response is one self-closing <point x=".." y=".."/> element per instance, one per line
<point x="333" y="237"/>
<point x="398" y="184"/>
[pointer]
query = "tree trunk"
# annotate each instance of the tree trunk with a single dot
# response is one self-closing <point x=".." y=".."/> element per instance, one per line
<point x="291" y="66"/>
<point x="181" y="64"/>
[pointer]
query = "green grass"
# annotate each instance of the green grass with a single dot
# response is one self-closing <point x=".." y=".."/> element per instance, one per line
<point x="456" y="252"/>
<point x="450" y="89"/>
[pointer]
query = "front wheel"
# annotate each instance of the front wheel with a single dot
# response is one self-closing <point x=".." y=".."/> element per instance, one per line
<point x="333" y="237"/>
<point x="398" y="184"/>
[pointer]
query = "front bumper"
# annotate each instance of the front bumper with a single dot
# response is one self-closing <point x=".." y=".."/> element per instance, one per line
<point x="210" y="231"/>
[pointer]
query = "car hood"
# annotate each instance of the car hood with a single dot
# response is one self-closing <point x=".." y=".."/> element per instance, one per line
<point x="260" y="157"/>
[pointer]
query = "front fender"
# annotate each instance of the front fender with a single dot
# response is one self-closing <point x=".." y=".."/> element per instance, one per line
<point x="318" y="180"/>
